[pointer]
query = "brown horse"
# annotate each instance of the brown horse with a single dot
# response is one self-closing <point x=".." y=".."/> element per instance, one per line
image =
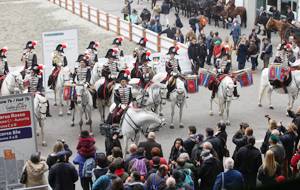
<point x="232" y="11"/>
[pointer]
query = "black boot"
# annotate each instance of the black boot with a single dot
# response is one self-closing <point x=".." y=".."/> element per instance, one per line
<point x="235" y="93"/>
<point x="94" y="100"/>
<point x="48" y="110"/>
<point x="168" y="95"/>
<point x="72" y="105"/>
<point x="213" y="95"/>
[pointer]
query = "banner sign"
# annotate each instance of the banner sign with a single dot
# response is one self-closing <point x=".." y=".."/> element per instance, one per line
<point x="17" y="137"/>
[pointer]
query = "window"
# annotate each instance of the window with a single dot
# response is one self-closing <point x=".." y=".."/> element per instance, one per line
<point x="260" y="3"/>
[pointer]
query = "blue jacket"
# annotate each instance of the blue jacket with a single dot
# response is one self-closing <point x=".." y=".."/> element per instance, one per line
<point x="79" y="160"/>
<point x="236" y="31"/>
<point x="242" y="53"/>
<point x="103" y="182"/>
<point x="233" y="179"/>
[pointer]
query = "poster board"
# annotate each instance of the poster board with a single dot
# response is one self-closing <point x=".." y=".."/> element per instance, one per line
<point x="17" y="137"/>
<point x="50" y="41"/>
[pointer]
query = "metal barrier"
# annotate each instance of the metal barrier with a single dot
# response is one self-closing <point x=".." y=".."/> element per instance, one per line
<point x="119" y="26"/>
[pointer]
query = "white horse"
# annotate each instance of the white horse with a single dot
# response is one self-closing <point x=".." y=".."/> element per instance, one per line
<point x="178" y="97"/>
<point x="155" y="95"/>
<point x="224" y="94"/>
<point x="84" y="104"/>
<point x="63" y="77"/>
<point x="136" y="121"/>
<point x="40" y="108"/>
<point x="12" y="84"/>
<point x="104" y="98"/>
<point x="292" y="88"/>
<point x="96" y="73"/>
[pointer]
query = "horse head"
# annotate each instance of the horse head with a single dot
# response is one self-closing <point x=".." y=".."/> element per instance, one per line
<point x="81" y="93"/>
<point x="18" y="81"/>
<point x="228" y="87"/>
<point x="40" y="106"/>
<point x="271" y="23"/>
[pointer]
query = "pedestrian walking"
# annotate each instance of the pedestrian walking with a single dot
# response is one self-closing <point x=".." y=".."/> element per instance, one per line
<point x="242" y="53"/>
<point x="266" y="52"/>
<point x="235" y="32"/>
<point x="165" y="10"/>
<point x="194" y="53"/>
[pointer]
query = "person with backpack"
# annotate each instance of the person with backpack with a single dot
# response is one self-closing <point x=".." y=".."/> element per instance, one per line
<point x="105" y="182"/>
<point x="120" y="171"/>
<point x="181" y="184"/>
<point x="101" y="166"/>
<point x="140" y="163"/>
<point x="157" y="181"/>
<point x="186" y="169"/>
<point x="134" y="182"/>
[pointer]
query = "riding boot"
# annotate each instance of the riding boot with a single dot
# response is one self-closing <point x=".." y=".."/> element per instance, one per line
<point x="168" y="94"/>
<point x="94" y="100"/>
<point x="235" y="92"/>
<point x="48" y="110"/>
<point x="72" y="105"/>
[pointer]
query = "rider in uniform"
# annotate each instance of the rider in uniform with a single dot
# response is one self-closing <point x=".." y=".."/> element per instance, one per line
<point x="172" y="67"/>
<point x="146" y="71"/>
<point x="58" y="60"/>
<point x="36" y="84"/>
<point x="112" y="66"/>
<point x="91" y="51"/>
<point x="122" y="99"/>
<point x="137" y="53"/>
<point x="3" y="64"/>
<point x="117" y="42"/>
<point x="29" y="58"/>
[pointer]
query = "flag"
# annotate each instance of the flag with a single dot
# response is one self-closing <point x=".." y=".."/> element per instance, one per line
<point x="245" y="78"/>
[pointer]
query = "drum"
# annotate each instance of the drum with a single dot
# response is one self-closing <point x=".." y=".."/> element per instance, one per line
<point x="192" y="83"/>
<point x="245" y="78"/>
<point x="69" y="92"/>
<point x="204" y="79"/>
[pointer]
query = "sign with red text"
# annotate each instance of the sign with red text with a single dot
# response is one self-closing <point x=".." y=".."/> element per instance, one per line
<point x="17" y="137"/>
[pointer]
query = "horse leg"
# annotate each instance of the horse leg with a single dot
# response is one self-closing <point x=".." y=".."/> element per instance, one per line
<point x="90" y="119"/>
<point x="269" y="96"/>
<point x="291" y="103"/>
<point x="261" y="93"/>
<point x="68" y="105"/>
<point x="81" y="119"/>
<point x="227" y="113"/>
<point x="160" y="110"/>
<point x="180" y="115"/>
<point x="73" y="117"/>
<point x="211" y="113"/>
<point x="172" y="114"/>
<point x="42" y="124"/>
<point x="55" y="101"/>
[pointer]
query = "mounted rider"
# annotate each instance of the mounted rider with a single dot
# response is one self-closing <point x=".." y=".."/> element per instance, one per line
<point x="223" y="68"/>
<point x="58" y="60"/>
<point x="29" y="58"/>
<point x="35" y="83"/>
<point x="146" y="70"/>
<point x="122" y="99"/>
<point x="3" y="64"/>
<point x="92" y="53"/>
<point x="172" y="68"/>
<point x="111" y="68"/>
<point x="117" y="42"/>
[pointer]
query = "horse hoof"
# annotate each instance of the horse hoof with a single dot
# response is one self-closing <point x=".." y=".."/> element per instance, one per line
<point x="72" y="125"/>
<point x="181" y="126"/>
<point x="220" y="114"/>
<point x="171" y="126"/>
<point x="259" y="105"/>
<point x="211" y="113"/>
<point x="69" y="112"/>
<point x="44" y="144"/>
<point x="271" y="107"/>
<point x="37" y="134"/>
<point x="60" y="114"/>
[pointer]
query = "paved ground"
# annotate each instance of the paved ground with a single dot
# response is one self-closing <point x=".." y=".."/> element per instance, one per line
<point x="47" y="17"/>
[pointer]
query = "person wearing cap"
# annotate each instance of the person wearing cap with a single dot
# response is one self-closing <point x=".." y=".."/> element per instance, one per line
<point x="83" y="72"/>
<point x="277" y="149"/>
<point x="92" y="53"/>
<point x="172" y="64"/>
<point x="117" y="42"/>
<point x="111" y="68"/>
<point x="266" y="52"/>
<point x="122" y="99"/>
<point x="29" y="58"/>
<point x="3" y="64"/>
<point x="58" y="60"/>
<point x="62" y="175"/>
<point x="138" y="52"/>
<point x="146" y="70"/>
<point x="208" y="170"/>
<point x="217" y="50"/>
<point x="247" y="161"/>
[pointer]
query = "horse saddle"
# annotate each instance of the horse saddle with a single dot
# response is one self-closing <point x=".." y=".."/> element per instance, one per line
<point x="105" y="89"/>
<point x="287" y="79"/>
<point x="214" y="83"/>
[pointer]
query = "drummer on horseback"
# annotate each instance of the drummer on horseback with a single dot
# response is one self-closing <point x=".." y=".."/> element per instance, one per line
<point x="122" y="99"/>
<point x="3" y="64"/>
<point x="146" y="71"/>
<point x="35" y="84"/>
<point x="117" y="42"/>
<point x="223" y="68"/>
<point x="29" y="58"/>
<point x="92" y="53"/>
<point x="58" y="60"/>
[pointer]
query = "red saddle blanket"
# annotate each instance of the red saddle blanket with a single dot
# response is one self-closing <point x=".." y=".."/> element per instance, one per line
<point x="278" y="72"/>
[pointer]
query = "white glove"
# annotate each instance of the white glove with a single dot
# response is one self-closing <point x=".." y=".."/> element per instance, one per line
<point x="123" y="106"/>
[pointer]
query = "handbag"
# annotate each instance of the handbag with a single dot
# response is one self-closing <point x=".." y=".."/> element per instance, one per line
<point x="23" y="178"/>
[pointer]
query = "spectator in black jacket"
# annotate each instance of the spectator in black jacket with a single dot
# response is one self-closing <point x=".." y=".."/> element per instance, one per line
<point x="248" y="160"/>
<point x="170" y="31"/>
<point x="194" y="53"/>
<point x="240" y="142"/>
<point x="178" y="22"/>
<point x="216" y="143"/>
<point x="275" y="13"/>
<point x="296" y="121"/>
<point x="149" y="144"/>
<point x="145" y="15"/>
<point x="190" y="142"/>
<point x="179" y="36"/>
<point x="290" y="15"/>
<point x="62" y="175"/>
<point x="165" y="10"/>
<point x="222" y="134"/>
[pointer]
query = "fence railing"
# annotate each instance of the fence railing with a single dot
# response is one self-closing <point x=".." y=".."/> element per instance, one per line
<point x="119" y="26"/>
